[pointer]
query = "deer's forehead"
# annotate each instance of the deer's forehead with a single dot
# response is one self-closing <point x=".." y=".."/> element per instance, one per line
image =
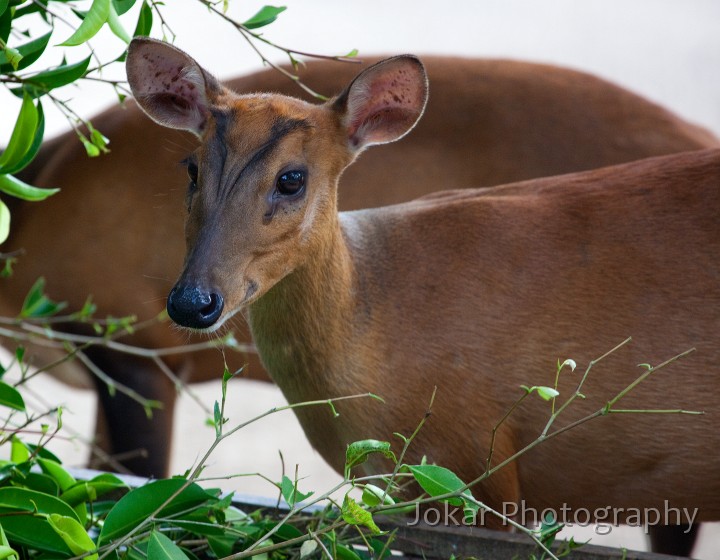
<point x="255" y="128"/>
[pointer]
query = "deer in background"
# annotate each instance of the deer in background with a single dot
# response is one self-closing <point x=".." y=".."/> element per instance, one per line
<point x="112" y="231"/>
<point x="474" y="292"/>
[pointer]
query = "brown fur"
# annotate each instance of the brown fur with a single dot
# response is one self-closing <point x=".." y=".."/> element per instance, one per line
<point x="113" y="230"/>
<point x="474" y="292"/>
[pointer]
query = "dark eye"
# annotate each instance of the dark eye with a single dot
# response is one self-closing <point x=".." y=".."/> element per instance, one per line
<point x="192" y="171"/>
<point x="291" y="183"/>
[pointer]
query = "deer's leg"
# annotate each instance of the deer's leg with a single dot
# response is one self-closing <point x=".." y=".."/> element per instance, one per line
<point x="134" y="442"/>
<point x="677" y="540"/>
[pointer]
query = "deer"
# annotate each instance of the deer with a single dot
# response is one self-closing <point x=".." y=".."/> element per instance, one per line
<point x="470" y="293"/>
<point x="510" y="121"/>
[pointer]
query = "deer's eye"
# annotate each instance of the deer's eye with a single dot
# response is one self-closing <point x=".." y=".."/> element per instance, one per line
<point x="291" y="183"/>
<point x="192" y="171"/>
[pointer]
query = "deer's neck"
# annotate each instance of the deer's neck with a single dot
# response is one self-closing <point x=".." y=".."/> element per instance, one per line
<point x="302" y="325"/>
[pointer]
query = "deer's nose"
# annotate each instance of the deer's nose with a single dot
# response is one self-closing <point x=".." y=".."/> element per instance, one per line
<point x="194" y="307"/>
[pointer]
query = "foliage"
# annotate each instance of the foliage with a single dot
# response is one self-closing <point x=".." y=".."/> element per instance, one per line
<point x="46" y="512"/>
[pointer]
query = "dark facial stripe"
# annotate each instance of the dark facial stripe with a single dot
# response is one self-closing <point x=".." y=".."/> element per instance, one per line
<point x="281" y="128"/>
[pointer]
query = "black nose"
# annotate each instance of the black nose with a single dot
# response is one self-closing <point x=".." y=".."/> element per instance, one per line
<point x="192" y="307"/>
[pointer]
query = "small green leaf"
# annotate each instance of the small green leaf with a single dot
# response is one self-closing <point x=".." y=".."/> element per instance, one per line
<point x="30" y="52"/>
<point x="122" y="6"/>
<point x="37" y="304"/>
<point x="307" y="548"/>
<point x="6" y="550"/>
<point x="91" y="490"/>
<point x="116" y="27"/>
<point x="359" y="451"/>
<point x="436" y="481"/>
<point x="22" y="136"/>
<point x="73" y="534"/>
<point x="144" y="22"/>
<point x="217" y="419"/>
<point x="15" y="187"/>
<point x="162" y="548"/>
<point x="90" y="149"/>
<point x="570" y="363"/>
<point x="13" y="57"/>
<point x="54" y="469"/>
<point x="290" y="492"/>
<point x="547" y="393"/>
<point x="34" y="148"/>
<point x="11" y="397"/>
<point x="373" y="495"/>
<point x="354" y="514"/>
<point x="265" y="16"/>
<point x="19" y="452"/>
<point x="352" y="54"/>
<point x="93" y="22"/>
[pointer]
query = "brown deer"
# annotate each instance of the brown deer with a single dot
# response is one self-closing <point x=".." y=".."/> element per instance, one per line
<point x="111" y="232"/>
<point x="474" y="292"/>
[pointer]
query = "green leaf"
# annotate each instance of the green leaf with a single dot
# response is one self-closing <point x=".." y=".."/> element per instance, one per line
<point x="3" y="6"/>
<point x="93" y="22"/>
<point x="569" y="362"/>
<point x="30" y="52"/>
<point x="22" y="136"/>
<point x="13" y="56"/>
<point x="265" y="16"/>
<point x="22" y="499"/>
<point x="116" y="27"/>
<point x="41" y="483"/>
<point x="34" y="146"/>
<point x="290" y="492"/>
<point x="6" y="19"/>
<point x="307" y="548"/>
<point x="137" y="505"/>
<point x="11" y="397"/>
<point x="437" y="480"/>
<point x="144" y="22"/>
<point x="42" y="82"/>
<point x="4" y="227"/>
<point x="37" y="304"/>
<point x="547" y="393"/>
<point x="358" y="452"/>
<point x="354" y="514"/>
<point x="91" y="490"/>
<point x="25" y="519"/>
<point x="54" y="469"/>
<point x="19" y="452"/>
<point x="17" y="188"/>
<point x="373" y="495"/>
<point x="162" y="548"/>
<point x="6" y="550"/>
<point x="122" y="6"/>
<point x="73" y="534"/>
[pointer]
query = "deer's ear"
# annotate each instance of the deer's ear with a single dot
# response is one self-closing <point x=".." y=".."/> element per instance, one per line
<point x="384" y="102"/>
<point x="169" y="85"/>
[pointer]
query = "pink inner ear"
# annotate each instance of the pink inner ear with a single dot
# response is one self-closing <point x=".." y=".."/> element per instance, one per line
<point x="163" y="75"/>
<point x="384" y="107"/>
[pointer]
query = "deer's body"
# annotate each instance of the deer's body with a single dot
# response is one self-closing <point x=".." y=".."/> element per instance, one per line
<point x="112" y="232"/>
<point x="474" y="292"/>
<point x="478" y="292"/>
